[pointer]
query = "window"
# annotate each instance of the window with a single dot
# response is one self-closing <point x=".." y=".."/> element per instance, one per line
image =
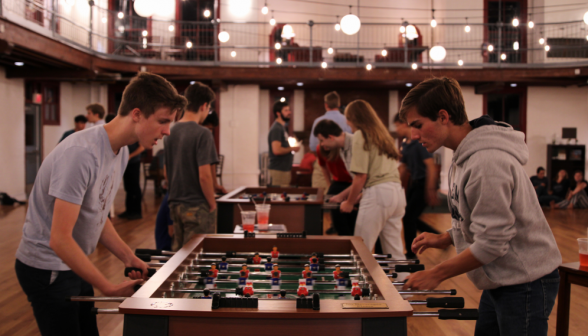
<point x="508" y="105"/>
<point x="45" y="94"/>
<point x="503" y="38"/>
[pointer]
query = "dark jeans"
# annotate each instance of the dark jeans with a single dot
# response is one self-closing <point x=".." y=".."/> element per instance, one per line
<point x="131" y="181"/>
<point x="163" y="241"/>
<point x="546" y="199"/>
<point x="55" y="315"/>
<point x="344" y="222"/>
<point x="518" y="310"/>
<point x="541" y="191"/>
<point x="415" y="205"/>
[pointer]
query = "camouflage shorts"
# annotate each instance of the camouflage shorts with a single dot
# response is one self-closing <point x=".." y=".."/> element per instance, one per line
<point x="190" y="221"/>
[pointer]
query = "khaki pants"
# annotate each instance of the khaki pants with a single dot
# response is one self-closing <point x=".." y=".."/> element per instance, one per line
<point x="190" y="221"/>
<point x="280" y="178"/>
<point x="318" y="178"/>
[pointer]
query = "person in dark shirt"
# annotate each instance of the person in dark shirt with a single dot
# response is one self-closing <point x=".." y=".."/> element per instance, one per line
<point x="540" y="182"/>
<point x="280" y="151"/>
<point x="211" y="122"/>
<point x="79" y="125"/>
<point x="421" y="190"/>
<point x="578" y="197"/>
<point x="132" y="184"/>
<point x="559" y="189"/>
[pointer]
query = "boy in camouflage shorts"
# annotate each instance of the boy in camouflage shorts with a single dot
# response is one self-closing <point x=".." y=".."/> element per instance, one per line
<point x="190" y="155"/>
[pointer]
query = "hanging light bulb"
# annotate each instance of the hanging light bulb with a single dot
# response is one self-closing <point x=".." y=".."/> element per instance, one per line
<point x="384" y="52"/>
<point x="330" y="50"/>
<point x="324" y="65"/>
<point x="278" y="46"/>
<point x="586" y="18"/>
<point x="411" y="32"/>
<point x="515" y="45"/>
<point x="503" y="57"/>
<point x="288" y="32"/>
<point x="490" y="48"/>
<point x="337" y="25"/>
<point x="206" y="13"/>
<point x="414" y="66"/>
<point x="541" y="40"/>
<point x="171" y="28"/>
<point x="460" y="62"/>
<point x="433" y="21"/>
<point x="272" y="20"/>
<point x="402" y="29"/>
<point x="279" y="60"/>
<point x="264" y="10"/>
<point x="437" y="53"/>
<point x="223" y="36"/>
<point x="368" y="67"/>
<point x="515" y="22"/>
<point x="145" y="8"/>
<point x="547" y="48"/>
<point x="350" y="23"/>
<point x="144" y="33"/>
<point x="467" y="28"/>
<point x="233" y="53"/>
<point x="531" y="24"/>
<point x="104" y="20"/>
<point x="188" y="44"/>
<point x="121" y="15"/>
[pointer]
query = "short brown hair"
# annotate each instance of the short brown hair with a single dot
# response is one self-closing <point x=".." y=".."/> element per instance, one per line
<point x="96" y="109"/>
<point x="198" y="94"/>
<point x="433" y="95"/>
<point x="149" y="92"/>
<point x="327" y="127"/>
<point x="332" y="100"/>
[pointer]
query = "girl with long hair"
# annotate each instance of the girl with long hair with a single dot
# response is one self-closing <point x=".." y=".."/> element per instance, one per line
<point x="375" y="164"/>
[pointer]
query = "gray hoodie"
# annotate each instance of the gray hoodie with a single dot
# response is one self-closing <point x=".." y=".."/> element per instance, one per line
<point x="495" y="211"/>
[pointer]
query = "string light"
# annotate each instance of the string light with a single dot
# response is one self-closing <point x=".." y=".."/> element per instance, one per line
<point x="467" y="27"/>
<point x="503" y="57"/>
<point x="104" y="19"/>
<point x="264" y="10"/>
<point x="330" y="50"/>
<point x="206" y="13"/>
<point x="121" y="15"/>
<point x="586" y="18"/>
<point x="384" y="52"/>
<point x="324" y="65"/>
<point x="279" y="60"/>
<point x="433" y="21"/>
<point x="541" y="40"/>
<point x="490" y="48"/>
<point x="460" y="62"/>
<point x="437" y="53"/>
<point x="368" y="67"/>
<point x="144" y="33"/>
<point x="188" y="44"/>
<point x="278" y="46"/>
<point x="547" y="48"/>
<point x="233" y="53"/>
<point x="414" y="66"/>
<point x="223" y="36"/>
<point x="171" y="28"/>
<point x="515" y="22"/>
<point x="337" y="25"/>
<point x="515" y="46"/>
<point x="272" y="20"/>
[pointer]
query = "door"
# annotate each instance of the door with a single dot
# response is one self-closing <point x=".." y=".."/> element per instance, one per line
<point x="32" y="143"/>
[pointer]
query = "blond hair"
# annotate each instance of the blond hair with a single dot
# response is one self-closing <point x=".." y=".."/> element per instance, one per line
<point x="364" y="117"/>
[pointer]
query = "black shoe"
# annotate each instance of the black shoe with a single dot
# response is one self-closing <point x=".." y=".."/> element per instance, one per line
<point x="123" y="215"/>
<point x="331" y="231"/>
<point x="134" y="216"/>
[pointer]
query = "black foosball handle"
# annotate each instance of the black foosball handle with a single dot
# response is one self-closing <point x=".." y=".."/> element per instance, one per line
<point x="409" y="268"/>
<point x="316" y="301"/>
<point x="150" y="271"/>
<point x="458" y="314"/>
<point x="149" y="252"/>
<point x="144" y="257"/>
<point x="445" y="302"/>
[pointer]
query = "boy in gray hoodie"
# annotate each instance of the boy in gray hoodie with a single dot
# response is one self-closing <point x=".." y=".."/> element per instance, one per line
<point x="501" y="236"/>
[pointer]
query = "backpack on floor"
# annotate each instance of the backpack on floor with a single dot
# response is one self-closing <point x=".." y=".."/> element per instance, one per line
<point x="5" y="199"/>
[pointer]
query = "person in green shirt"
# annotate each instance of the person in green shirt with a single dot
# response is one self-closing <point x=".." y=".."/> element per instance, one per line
<point x="374" y="162"/>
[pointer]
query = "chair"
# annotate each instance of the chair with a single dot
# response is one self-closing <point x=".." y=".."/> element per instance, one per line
<point x="151" y="172"/>
<point x="219" y="169"/>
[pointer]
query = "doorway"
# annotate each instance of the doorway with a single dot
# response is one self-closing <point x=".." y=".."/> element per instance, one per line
<point x="32" y="144"/>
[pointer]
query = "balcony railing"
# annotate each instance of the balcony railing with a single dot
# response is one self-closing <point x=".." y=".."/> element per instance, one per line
<point x="315" y="44"/>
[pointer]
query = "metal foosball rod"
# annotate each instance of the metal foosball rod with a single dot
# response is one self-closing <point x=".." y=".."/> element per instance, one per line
<point x="155" y="252"/>
<point x="298" y="261"/>
<point x="334" y="291"/>
<point x="260" y="266"/>
<point x="450" y="314"/>
<point x="264" y="273"/>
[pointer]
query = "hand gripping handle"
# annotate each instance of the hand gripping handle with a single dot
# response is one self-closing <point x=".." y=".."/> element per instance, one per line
<point x="458" y="314"/>
<point x="409" y="268"/>
<point x="445" y="302"/>
<point x="150" y="271"/>
<point x="149" y="252"/>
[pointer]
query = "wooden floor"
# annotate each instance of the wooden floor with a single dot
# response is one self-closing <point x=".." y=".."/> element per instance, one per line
<point x="16" y="316"/>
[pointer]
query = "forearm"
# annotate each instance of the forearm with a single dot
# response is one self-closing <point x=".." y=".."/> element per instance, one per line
<point x="112" y="241"/>
<point x="356" y="186"/>
<point x="208" y="190"/>
<point x="431" y="179"/>
<point x="326" y="174"/>
<point x="462" y="263"/>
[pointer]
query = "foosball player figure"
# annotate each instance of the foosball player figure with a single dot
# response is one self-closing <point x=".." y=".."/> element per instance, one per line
<point x="341" y="282"/>
<point x="275" y="253"/>
<point x="248" y="290"/>
<point x="214" y="270"/>
<point x="282" y="294"/>
<point x="314" y="263"/>
<point x="243" y="275"/>
<point x="307" y="274"/>
<point x="355" y="289"/>
<point x="256" y="258"/>
<point x="276" y="281"/>
<point x="206" y="294"/>
<point x="302" y="289"/>
<point x="304" y="196"/>
<point x="223" y="266"/>
<point x="268" y="265"/>
<point x="284" y="195"/>
<point x="209" y="281"/>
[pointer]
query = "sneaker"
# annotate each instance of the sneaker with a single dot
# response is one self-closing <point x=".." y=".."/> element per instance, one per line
<point x="331" y="231"/>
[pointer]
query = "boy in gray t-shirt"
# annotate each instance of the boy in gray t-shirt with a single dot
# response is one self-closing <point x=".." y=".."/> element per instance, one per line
<point x="69" y="205"/>
<point x="190" y="155"/>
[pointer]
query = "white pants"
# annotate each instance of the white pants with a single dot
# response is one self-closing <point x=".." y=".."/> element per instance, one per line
<point x="380" y="214"/>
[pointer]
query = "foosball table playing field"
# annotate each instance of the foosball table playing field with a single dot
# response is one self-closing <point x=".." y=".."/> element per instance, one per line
<point x="268" y="285"/>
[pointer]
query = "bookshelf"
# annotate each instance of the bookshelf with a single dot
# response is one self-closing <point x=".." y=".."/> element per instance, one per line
<point x="568" y="157"/>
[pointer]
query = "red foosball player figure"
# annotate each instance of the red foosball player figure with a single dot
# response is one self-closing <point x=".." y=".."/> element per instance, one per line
<point x="307" y="275"/>
<point x="256" y="258"/>
<point x="214" y="270"/>
<point x="302" y="289"/>
<point x="243" y="275"/>
<point x="248" y="290"/>
<point x="341" y="282"/>
<point x="355" y="289"/>
<point x="275" y="253"/>
<point x="276" y="281"/>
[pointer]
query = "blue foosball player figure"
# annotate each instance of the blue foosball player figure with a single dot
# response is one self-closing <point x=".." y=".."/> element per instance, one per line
<point x="243" y="275"/>
<point x="276" y="281"/>
<point x="209" y="281"/>
<point x="268" y="266"/>
<point x="223" y="266"/>
<point x="307" y="274"/>
<point x="206" y="294"/>
<point x="314" y="263"/>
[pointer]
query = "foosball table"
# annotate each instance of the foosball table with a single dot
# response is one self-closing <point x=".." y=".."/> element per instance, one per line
<point x="282" y="284"/>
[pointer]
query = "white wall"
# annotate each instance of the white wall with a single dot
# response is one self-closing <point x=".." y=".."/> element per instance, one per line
<point x="548" y="110"/>
<point x="239" y="137"/>
<point x="74" y="97"/>
<point x="298" y="116"/>
<point x="12" y="136"/>
<point x="264" y="119"/>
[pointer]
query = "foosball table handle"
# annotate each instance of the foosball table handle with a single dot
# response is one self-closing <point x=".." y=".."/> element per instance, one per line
<point x="150" y="271"/>
<point x="458" y="314"/>
<point x="445" y="302"/>
<point x="144" y="257"/>
<point x="149" y="251"/>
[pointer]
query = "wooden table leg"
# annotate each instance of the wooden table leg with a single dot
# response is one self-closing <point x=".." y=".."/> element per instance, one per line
<point x="563" y="305"/>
